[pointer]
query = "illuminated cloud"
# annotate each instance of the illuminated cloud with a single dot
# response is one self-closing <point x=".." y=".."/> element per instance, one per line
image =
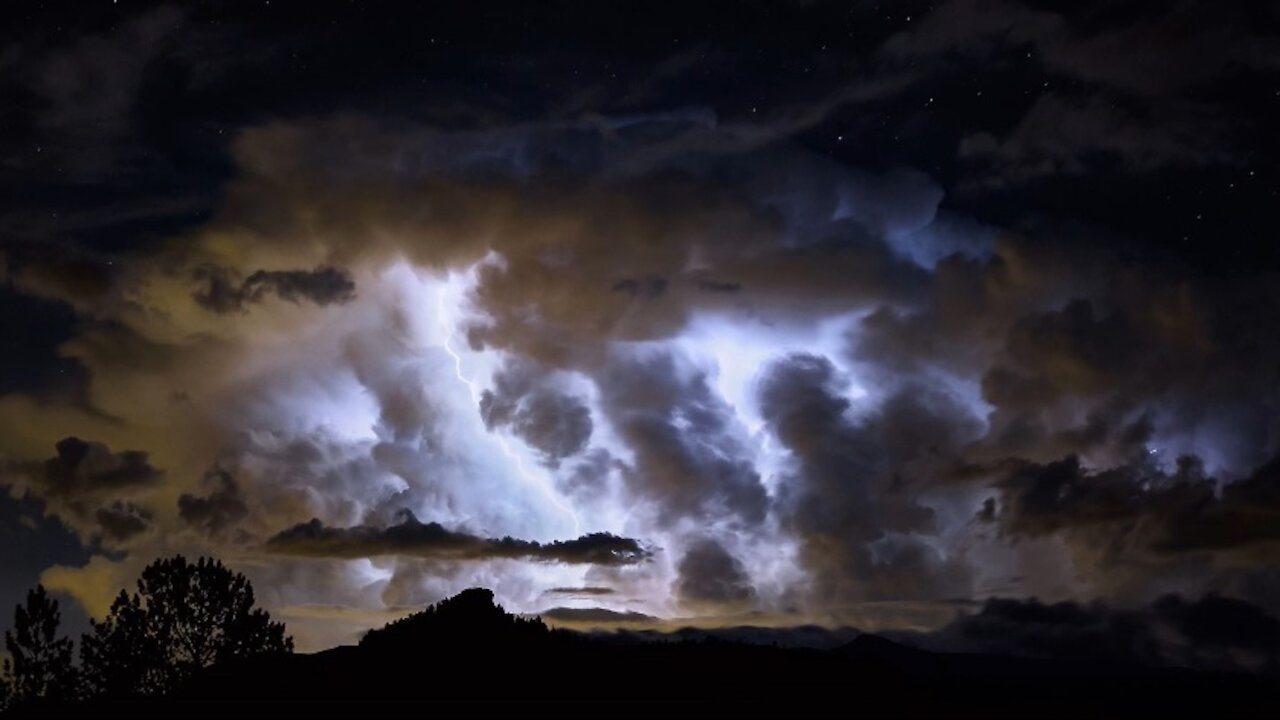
<point x="797" y="380"/>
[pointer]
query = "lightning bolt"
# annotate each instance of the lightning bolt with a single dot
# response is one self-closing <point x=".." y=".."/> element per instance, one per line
<point x="537" y="480"/>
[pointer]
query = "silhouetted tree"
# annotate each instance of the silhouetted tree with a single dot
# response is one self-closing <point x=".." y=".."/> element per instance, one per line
<point x="39" y="664"/>
<point x="185" y="616"/>
<point x="121" y="655"/>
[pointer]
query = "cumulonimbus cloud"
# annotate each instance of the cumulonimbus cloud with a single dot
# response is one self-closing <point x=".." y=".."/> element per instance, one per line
<point x="765" y="362"/>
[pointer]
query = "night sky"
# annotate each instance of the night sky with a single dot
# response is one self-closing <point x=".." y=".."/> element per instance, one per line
<point x="650" y="314"/>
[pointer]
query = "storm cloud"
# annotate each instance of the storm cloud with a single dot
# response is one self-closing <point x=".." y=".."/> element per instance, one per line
<point x="860" y="526"/>
<point x="897" y="332"/>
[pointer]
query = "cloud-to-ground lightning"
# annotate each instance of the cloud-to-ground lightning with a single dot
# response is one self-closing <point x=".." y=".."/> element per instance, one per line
<point x="535" y="479"/>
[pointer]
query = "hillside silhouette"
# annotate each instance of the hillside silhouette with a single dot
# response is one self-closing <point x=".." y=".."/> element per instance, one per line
<point x="470" y="620"/>
<point x="466" y="656"/>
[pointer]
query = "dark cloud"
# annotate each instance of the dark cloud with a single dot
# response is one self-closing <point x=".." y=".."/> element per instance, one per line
<point x="89" y="88"/>
<point x="69" y="274"/>
<point x="688" y="444"/>
<point x="1141" y="508"/>
<point x="710" y="576"/>
<point x="804" y="636"/>
<point x="94" y="491"/>
<point x="122" y="520"/>
<point x="1118" y="367"/>
<point x="322" y="286"/>
<point x="644" y="288"/>
<point x="87" y="469"/>
<point x="1128" y="92"/>
<point x="594" y="616"/>
<point x="717" y="286"/>
<point x="585" y="590"/>
<point x="222" y="508"/>
<point x="1213" y="632"/>
<point x="1068" y="352"/>
<point x="1144" y="51"/>
<point x="555" y="423"/>
<point x="1072" y="364"/>
<point x="1064" y="135"/>
<point x="848" y="498"/>
<point x="589" y="477"/>
<point x="432" y="540"/>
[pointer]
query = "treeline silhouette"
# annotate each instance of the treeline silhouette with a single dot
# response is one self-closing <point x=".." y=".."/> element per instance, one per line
<point x="183" y="618"/>
<point x="465" y="656"/>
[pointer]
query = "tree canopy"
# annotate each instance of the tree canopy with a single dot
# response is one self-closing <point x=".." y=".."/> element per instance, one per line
<point x="39" y="663"/>
<point x="185" y="616"/>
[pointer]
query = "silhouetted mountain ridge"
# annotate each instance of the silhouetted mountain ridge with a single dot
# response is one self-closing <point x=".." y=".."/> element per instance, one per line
<point x="468" y="618"/>
<point x="873" y="647"/>
<point x="799" y="636"/>
<point x="466" y="655"/>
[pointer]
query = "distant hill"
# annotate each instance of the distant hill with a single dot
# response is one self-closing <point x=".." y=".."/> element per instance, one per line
<point x="467" y="657"/>
<point x="800" y="636"/>
<point x="471" y="619"/>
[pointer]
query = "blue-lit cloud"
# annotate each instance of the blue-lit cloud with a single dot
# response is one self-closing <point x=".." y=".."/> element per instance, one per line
<point x="798" y="384"/>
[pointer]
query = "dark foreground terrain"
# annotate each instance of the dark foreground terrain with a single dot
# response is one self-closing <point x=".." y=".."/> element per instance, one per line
<point x="467" y="658"/>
